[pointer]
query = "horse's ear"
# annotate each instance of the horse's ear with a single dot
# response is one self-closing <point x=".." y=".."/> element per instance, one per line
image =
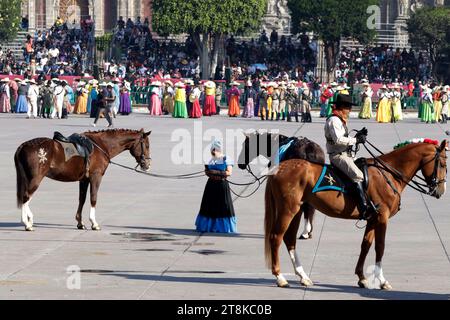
<point x="147" y="134"/>
<point x="444" y="145"/>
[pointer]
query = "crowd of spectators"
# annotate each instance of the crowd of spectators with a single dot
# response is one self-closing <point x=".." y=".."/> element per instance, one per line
<point x="384" y="64"/>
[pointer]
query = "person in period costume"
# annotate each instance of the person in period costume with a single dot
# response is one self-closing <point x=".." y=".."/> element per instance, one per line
<point x="14" y="88"/>
<point x="270" y="90"/>
<point x="437" y="103"/>
<point x="283" y="100"/>
<point x="262" y="97"/>
<point x="116" y="90"/>
<point x="218" y="97"/>
<point x="5" y="96"/>
<point x="22" y="102"/>
<point x="428" y="114"/>
<point x="67" y="105"/>
<point x="81" y="104"/>
<point x="180" y="109"/>
<point x="189" y="86"/>
<point x="125" y="100"/>
<point x="366" y="98"/>
<point x="194" y="98"/>
<point x="168" y="102"/>
<point x="217" y="211"/>
<point x="47" y="99"/>
<point x="384" y="109"/>
<point x="209" y="107"/>
<point x="292" y="103"/>
<point x="445" y="103"/>
<point x="331" y="100"/>
<point x="305" y="106"/>
<point x="93" y="96"/>
<point x="233" y="100"/>
<point x="32" y="97"/>
<point x="155" y="102"/>
<point x="338" y="144"/>
<point x="275" y="103"/>
<point x="59" y="92"/>
<point x="396" y="104"/>
<point x="250" y="96"/>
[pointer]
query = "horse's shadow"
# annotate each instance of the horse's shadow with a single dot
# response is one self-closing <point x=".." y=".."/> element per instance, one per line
<point x="192" y="232"/>
<point x="377" y="294"/>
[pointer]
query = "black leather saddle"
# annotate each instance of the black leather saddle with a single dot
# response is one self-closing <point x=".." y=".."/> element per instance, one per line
<point x="83" y="145"/>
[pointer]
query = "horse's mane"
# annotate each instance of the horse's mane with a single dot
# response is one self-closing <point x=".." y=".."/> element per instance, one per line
<point x="416" y="141"/>
<point x="117" y="131"/>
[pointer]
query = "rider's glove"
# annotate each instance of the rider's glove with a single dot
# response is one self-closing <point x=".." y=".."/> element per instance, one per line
<point x="361" y="138"/>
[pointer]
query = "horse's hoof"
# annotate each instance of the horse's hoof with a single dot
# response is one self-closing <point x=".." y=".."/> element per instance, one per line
<point x="306" y="282"/>
<point x="81" y="227"/>
<point x="29" y="228"/>
<point x="304" y="237"/>
<point x="386" y="286"/>
<point x="283" y="284"/>
<point x="364" y="284"/>
<point x="96" y="228"/>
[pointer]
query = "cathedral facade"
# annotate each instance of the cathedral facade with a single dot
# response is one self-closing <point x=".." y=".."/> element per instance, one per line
<point x="42" y="14"/>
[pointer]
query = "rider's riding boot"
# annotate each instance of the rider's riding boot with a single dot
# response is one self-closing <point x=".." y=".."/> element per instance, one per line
<point x="362" y="201"/>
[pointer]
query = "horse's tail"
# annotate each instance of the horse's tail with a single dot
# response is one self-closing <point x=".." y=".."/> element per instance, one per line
<point x="269" y="221"/>
<point x="22" y="179"/>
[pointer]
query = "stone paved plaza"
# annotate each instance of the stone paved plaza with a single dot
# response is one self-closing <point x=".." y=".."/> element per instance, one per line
<point x="148" y="249"/>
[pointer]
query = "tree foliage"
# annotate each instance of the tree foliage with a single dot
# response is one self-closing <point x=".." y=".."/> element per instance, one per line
<point x="331" y="20"/>
<point x="207" y="21"/>
<point x="430" y="28"/>
<point x="9" y="18"/>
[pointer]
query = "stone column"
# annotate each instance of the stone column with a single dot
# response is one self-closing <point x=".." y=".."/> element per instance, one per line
<point x="97" y="14"/>
<point x="32" y="15"/>
<point x="49" y="13"/>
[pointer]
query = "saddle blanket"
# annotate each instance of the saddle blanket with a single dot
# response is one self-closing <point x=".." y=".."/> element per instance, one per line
<point x="70" y="150"/>
<point x="329" y="181"/>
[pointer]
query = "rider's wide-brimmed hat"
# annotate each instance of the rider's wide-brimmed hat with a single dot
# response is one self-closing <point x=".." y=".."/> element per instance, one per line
<point x="210" y="84"/>
<point x="5" y="80"/>
<point x="344" y="101"/>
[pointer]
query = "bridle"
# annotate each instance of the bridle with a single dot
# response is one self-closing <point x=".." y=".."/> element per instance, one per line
<point x="142" y="158"/>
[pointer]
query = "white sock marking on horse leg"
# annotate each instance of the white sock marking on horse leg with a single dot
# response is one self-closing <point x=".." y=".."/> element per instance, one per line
<point x="92" y="217"/>
<point x="281" y="281"/>
<point x="379" y="273"/>
<point x="29" y="213"/>
<point x="307" y="229"/>
<point x="297" y="265"/>
<point x="25" y="215"/>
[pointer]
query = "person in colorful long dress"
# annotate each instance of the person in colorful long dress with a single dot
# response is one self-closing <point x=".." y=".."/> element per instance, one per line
<point x="168" y="102"/>
<point x="22" y="103"/>
<point x="196" y="111"/>
<point x="366" y="109"/>
<point x="437" y="103"/>
<point x="209" y="108"/>
<point x="384" y="108"/>
<point x="180" y="109"/>
<point x="93" y="96"/>
<point x="5" y="96"/>
<point x="445" y="103"/>
<point x="218" y="97"/>
<point x="249" y="100"/>
<point x="217" y="211"/>
<point x="125" y="100"/>
<point x="189" y="86"/>
<point x="233" y="100"/>
<point x="155" y="108"/>
<point x="13" y="90"/>
<point x="396" y="104"/>
<point x="262" y="97"/>
<point x="331" y="100"/>
<point x="81" y="104"/>
<point x="116" y="90"/>
<point x="428" y="114"/>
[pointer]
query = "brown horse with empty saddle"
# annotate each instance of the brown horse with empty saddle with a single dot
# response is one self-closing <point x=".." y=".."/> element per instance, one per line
<point x="43" y="157"/>
<point x="389" y="174"/>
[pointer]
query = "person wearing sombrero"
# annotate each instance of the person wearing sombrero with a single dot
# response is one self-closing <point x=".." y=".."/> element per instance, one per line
<point x="209" y="108"/>
<point x="194" y="98"/>
<point x="125" y="100"/>
<point x="155" y="101"/>
<point x="47" y="100"/>
<point x="168" y="94"/>
<point x="233" y="100"/>
<point x="14" y="88"/>
<point x="338" y="144"/>
<point x="32" y="97"/>
<point x="180" y="109"/>
<point x="5" y="99"/>
<point x="428" y="114"/>
<point x="384" y="108"/>
<point x="437" y="103"/>
<point x="396" y="103"/>
<point x="22" y="102"/>
<point x="366" y="98"/>
<point x="445" y="103"/>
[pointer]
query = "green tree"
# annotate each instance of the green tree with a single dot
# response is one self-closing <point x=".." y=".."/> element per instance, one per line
<point x="207" y="22"/>
<point x="9" y="18"/>
<point x="430" y="28"/>
<point x="331" y="20"/>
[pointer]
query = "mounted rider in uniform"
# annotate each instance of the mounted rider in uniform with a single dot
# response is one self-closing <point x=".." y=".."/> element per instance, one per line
<point x="339" y="145"/>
